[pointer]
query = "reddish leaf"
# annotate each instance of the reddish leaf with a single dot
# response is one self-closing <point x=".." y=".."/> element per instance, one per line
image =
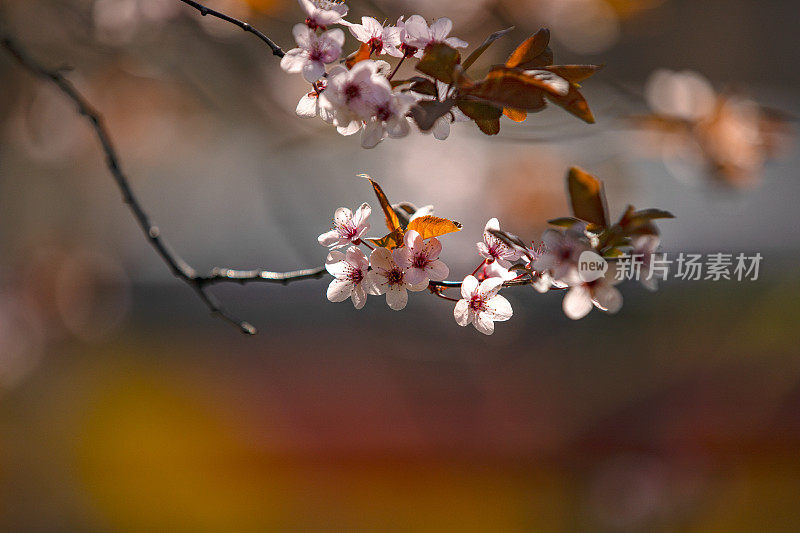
<point x="489" y="126"/>
<point x="391" y="241"/>
<point x="478" y="110"/>
<point x="427" y="112"/>
<point x="574" y="102"/>
<point x="439" y="61"/>
<point x="587" y="197"/>
<point x="574" y="73"/>
<point x="533" y="52"/>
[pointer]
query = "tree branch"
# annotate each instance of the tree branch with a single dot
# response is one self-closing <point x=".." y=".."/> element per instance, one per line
<point x="180" y="268"/>
<point x="276" y="50"/>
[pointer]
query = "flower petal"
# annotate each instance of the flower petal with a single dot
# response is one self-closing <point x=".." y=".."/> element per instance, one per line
<point x="331" y="239"/>
<point x="415" y="276"/>
<point x="437" y="271"/>
<point x="440" y="29"/>
<point x="307" y="107"/>
<point x="313" y="70"/>
<point x="484" y="323"/>
<point x="382" y="259"/>
<point x="294" y="60"/>
<point x="304" y="36"/>
<point x="607" y="298"/>
<point x="500" y="308"/>
<point x="490" y="287"/>
<point x="359" y="297"/>
<point x="469" y="286"/>
<point x="461" y="313"/>
<point x="397" y="297"/>
<point x="339" y="290"/>
<point x="577" y="303"/>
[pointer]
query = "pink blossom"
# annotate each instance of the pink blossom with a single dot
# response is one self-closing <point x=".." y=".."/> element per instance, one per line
<point x="421" y="259"/>
<point x="313" y="52"/>
<point x="480" y="305"/>
<point x="321" y="13"/>
<point x="600" y="293"/>
<point x="415" y="33"/>
<point x="389" y="278"/>
<point x="389" y="117"/>
<point x="350" y="273"/>
<point x="351" y="94"/>
<point x="347" y="228"/>
<point x="562" y="251"/>
<point x="382" y="40"/>
<point x="495" y="249"/>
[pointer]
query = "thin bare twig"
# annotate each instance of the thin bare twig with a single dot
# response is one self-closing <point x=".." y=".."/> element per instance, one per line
<point x="180" y="268"/>
<point x="276" y="50"/>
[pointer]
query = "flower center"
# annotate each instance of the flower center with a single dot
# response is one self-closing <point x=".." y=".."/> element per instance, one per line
<point x="375" y="45"/>
<point x="352" y="91"/>
<point x="420" y="261"/>
<point x="314" y="25"/>
<point x="384" y="113"/>
<point x="476" y="303"/>
<point x="408" y="50"/>
<point x="395" y="276"/>
<point x="315" y="54"/>
<point x="355" y="275"/>
<point x="347" y="230"/>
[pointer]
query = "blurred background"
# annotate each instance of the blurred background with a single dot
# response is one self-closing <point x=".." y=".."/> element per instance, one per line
<point x="125" y="406"/>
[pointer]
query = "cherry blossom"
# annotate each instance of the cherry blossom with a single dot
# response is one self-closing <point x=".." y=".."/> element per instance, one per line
<point x="421" y="259"/>
<point x="387" y="277"/>
<point x="415" y="33"/>
<point x="382" y="40"/>
<point x="562" y="251"/>
<point x="389" y="116"/>
<point x="600" y="293"/>
<point x="480" y="305"/>
<point x="494" y="249"/>
<point x="351" y="94"/>
<point x="309" y="105"/>
<point x="313" y="52"/>
<point x="321" y="13"/>
<point x="350" y="273"/>
<point x="347" y="227"/>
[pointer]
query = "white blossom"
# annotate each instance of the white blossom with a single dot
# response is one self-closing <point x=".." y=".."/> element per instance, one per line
<point x="347" y="227"/>
<point x="389" y="278"/>
<point x="389" y="116"/>
<point x="350" y="95"/>
<point x="416" y="33"/>
<point x="582" y="296"/>
<point x="480" y="305"/>
<point x="350" y="272"/>
<point x="562" y="251"/>
<point x="494" y="249"/>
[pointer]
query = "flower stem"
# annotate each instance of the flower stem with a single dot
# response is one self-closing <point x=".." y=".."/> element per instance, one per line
<point x="396" y="68"/>
<point x="479" y="267"/>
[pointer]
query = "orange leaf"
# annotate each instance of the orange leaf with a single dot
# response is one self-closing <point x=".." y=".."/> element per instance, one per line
<point x="431" y="226"/>
<point x="439" y="61"/>
<point x="362" y="54"/>
<point x="515" y="114"/>
<point x="391" y="241"/>
<point x="392" y="222"/>
<point x="587" y="196"/>
<point x="533" y="52"/>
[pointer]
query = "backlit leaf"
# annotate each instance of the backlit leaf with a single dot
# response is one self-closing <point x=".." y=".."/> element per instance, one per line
<point x="533" y="52"/>
<point x="391" y="241"/>
<point x="439" y="62"/>
<point x="515" y="114"/>
<point x="477" y="110"/>
<point x="431" y="226"/>
<point x="392" y="221"/>
<point x="509" y="88"/>
<point x="362" y="54"/>
<point x="427" y="112"/>
<point x="587" y="197"/>
<point x="574" y="73"/>
<point x="483" y="47"/>
<point x="424" y="86"/>
<point x="574" y="102"/>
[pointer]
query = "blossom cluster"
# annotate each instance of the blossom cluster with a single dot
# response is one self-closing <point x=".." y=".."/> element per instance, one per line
<point x="359" y="97"/>
<point x="576" y="256"/>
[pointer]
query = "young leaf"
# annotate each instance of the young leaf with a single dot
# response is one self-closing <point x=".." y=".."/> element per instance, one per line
<point x="509" y="88"/>
<point x="391" y="241"/>
<point x="515" y="114"/>
<point x="362" y="54"/>
<point x="483" y="47"/>
<point x="574" y="73"/>
<point x="431" y="226"/>
<point x="533" y="52"/>
<point x="587" y="197"/>
<point x="427" y="112"/>
<point x="477" y="110"/>
<point x="424" y="86"/>
<point x="574" y="102"/>
<point x="392" y="221"/>
<point x="439" y="62"/>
